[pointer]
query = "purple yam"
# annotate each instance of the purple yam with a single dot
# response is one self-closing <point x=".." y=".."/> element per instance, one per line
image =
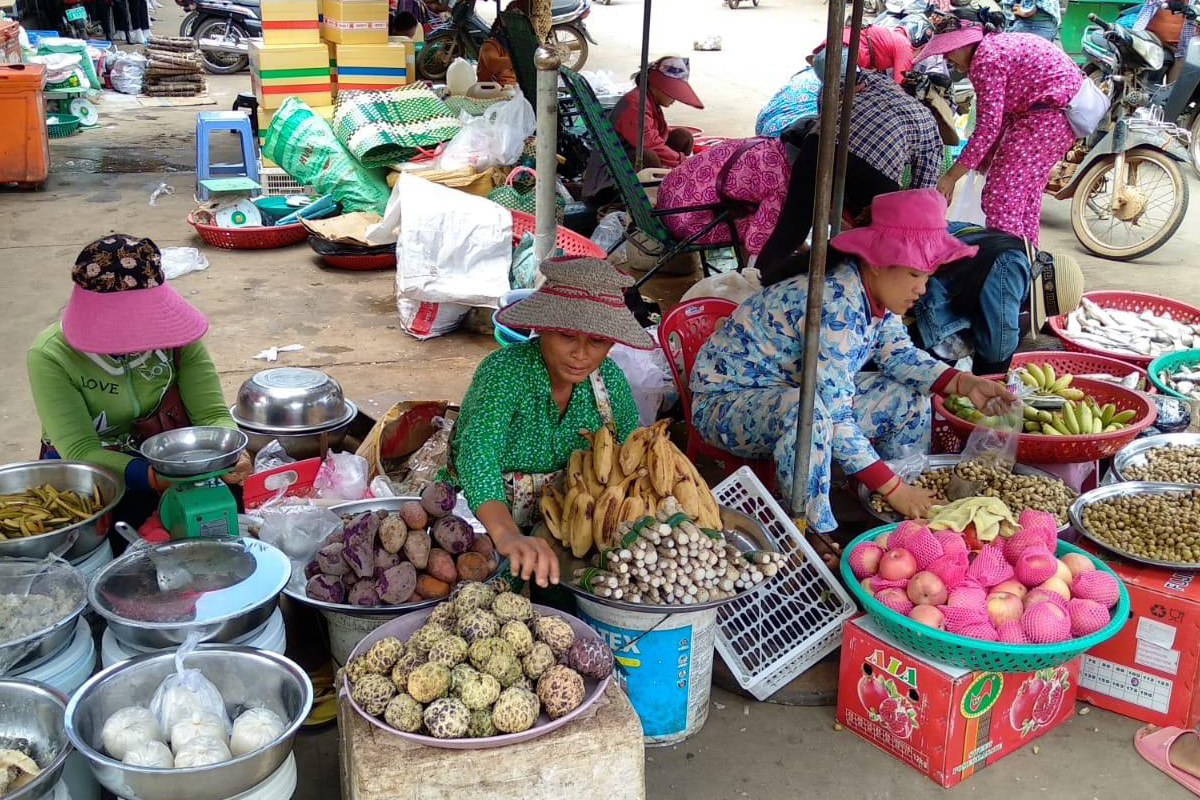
<point x="364" y="525"/>
<point x="330" y="561"/>
<point x="397" y="584"/>
<point x="349" y="579"/>
<point x="384" y="560"/>
<point x="325" y="589"/>
<point x="416" y="548"/>
<point x="311" y="569"/>
<point x="453" y="534"/>
<point x="360" y="555"/>
<point x="438" y="499"/>
<point x="363" y="594"/>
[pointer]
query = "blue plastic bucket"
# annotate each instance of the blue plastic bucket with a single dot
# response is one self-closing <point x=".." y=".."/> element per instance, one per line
<point x="664" y="664"/>
<point x="504" y="335"/>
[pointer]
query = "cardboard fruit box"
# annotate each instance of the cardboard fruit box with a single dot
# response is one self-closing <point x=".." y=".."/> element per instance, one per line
<point x="946" y="722"/>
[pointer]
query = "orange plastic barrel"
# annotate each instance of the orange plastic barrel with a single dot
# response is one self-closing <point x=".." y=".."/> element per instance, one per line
<point x="24" y="143"/>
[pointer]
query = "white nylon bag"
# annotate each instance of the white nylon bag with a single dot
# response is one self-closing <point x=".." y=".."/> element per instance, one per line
<point x="968" y="200"/>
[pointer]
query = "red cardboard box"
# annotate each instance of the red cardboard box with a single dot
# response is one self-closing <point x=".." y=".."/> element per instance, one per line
<point x="944" y="721"/>
<point x="1150" y="669"/>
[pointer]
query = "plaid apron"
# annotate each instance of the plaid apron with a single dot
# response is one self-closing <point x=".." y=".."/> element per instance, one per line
<point x="524" y="490"/>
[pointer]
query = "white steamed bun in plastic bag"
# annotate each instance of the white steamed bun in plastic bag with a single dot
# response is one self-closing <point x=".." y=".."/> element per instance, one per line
<point x="128" y="728"/>
<point x="254" y="729"/>
<point x="150" y="754"/>
<point x="201" y="751"/>
<point x="200" y="723"/>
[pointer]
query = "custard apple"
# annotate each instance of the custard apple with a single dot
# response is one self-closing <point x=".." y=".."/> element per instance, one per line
<point x="403" y="713"/>
<point x="428" y="682"/>
<point x="516" y="710"/>
<point x="383" y="654"/>
<point x="468" y="596"/>
<point x="560" y="689"/>
<point x="447" y="718"/>
<point x="372" y="693"/>
<point x="591" y="658"/>
<point x="427" y="636"/>
<point x="404" y="667"/>
<point x="555" y="632"/>
<point x="449" y="651"/>
<point x="479" y="692"/>
<point x="540" y="657"/>
<point x="512" y="606"/>
<point x="477" y="624"/>
<point x="481" y="725"/>
<point x="460" y="675"/>
<point x="518" y="635"/>
<point x="444" y="614"/>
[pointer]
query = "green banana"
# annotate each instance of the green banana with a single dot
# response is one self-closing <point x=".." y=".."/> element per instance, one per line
<point x="1085" y="418"/>
<point x="1048" y="376"/>
<point x="1062" y="383"/>
<point x="1038" y="375"/>
<point x="1070" y="420"/>
<point x="1107" y="413"/>
<point x="1050" y="430"/>
<point x="1124" y="417"/>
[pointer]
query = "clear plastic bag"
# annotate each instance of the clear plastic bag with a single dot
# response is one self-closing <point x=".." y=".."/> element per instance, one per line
<point x="342" y="476"/>
<point x="495" y="139"/>
<point x="994" y="440"/>
<point x="271" y="456"/>
<point x="34" y="596"/>
<point x="299" y="529"/>
<point x="909" y="466"/>
<point x="186" y="692"/>
<point x="424" y="465"/>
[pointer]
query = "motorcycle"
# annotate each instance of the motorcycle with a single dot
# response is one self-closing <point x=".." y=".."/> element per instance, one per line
<point x="910" y="16"/>
<point x="75" y="19"/>
<point x="1128" y="195"/>
<point x="222" y="30"/>
<point x="465" y="32"/>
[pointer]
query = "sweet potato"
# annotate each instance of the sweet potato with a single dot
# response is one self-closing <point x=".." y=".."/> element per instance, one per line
<point x="483" y="544"/>
<point x="384" y="560"/>
<point x="441" y="566"/>
<point x="416" y="548"/>
<point x="392" y="533"/>
<point x="474" y="567"/>
<point x="396" y="585"/>
<point x="363" y="594"/>
<point x="330" y="561"/>
<point x="431" y="588"/>
<point x="414" y="515"/>
<point x="325" y="588"/>
<point x="453" y="534"/>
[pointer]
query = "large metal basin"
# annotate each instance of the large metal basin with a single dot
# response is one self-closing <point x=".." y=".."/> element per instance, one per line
<point x="72" y="476"/>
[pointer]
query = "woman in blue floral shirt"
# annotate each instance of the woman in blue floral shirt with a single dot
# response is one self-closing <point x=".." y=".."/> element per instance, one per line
<point x="745" y="382"/>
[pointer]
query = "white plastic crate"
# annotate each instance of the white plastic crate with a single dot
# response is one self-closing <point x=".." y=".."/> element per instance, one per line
<point x="792" y="621"/>
<point x="277" y="183"/>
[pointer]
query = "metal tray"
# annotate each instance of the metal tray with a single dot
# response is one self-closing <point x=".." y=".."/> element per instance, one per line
<point x="946" y="461"/>
<point x="358" y="507"/>
<point x="1133" y="454"/>
<point x="743" y="532"/>
<point x="1119" y="490"/>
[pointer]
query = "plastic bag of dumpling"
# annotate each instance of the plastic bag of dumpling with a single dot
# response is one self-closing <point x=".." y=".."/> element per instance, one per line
<point x="186" y="692"/>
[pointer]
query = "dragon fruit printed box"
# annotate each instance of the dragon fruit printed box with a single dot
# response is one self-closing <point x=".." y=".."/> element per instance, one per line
<point x="946" y="722"/>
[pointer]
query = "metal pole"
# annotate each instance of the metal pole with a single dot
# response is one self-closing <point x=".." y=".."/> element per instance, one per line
<point x="843" y="143"/>
<point x="642" y="76"/>
<point x="820" y="245"/>
<point x="546" y="158"/>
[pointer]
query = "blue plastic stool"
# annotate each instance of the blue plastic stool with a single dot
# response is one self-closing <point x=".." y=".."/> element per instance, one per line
<point x="208" y="122"/>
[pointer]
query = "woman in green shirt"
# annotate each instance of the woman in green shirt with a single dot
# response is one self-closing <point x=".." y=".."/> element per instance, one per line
<point x="527" y="403"/>
<point x="127" y="350"/>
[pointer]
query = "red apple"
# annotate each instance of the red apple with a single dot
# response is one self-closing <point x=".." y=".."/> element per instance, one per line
<point x="928" y="615"/>
<point x="1064" y="572"/>
<point x="926" y="589"/>
<point x="1012" y="586"/>
<point x="1078" y="563"/>
<point x="897" y="565"/>
<point x="1059" y="587"/>
<point x="1003" y="607"/>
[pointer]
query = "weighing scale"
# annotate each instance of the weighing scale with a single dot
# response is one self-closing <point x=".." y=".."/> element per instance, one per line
<point x="198" y="502"/>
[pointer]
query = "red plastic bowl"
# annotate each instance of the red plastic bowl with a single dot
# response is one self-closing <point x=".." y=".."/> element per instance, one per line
<point x="264" y="238"/>
<point x="1126" y="301"/>
<point x="1036" y="448"/>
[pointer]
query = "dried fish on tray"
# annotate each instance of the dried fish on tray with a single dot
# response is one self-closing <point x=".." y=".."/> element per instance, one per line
<point x="1141" y="334"/>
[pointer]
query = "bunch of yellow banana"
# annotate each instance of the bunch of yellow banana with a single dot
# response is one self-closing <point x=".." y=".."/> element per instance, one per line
<point x="1086" y="418"/>
<point x="1043" y="379"/>
<point x="611" y="483"/>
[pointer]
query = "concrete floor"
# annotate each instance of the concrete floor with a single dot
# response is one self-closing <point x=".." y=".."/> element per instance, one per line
<point x="101" y="182"/>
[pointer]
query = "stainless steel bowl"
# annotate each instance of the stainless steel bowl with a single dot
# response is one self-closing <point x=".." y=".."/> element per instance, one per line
<point x="189" y="452"/>
<point x="232" y="588"/>
<point x="1114" y="490"/>
<point x="289" y="398"/>
<point x="25" y="576"/>
<point x="67" y="476"/>
<point x="246" y="677"/>
<point x="1134" y="453"/>
<point x="35" y="713"/>
<point x="301" y="444"/>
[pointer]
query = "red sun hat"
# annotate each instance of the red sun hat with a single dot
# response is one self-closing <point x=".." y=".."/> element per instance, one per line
<point x="908" y="230"/>
<point x="670" y="76"/>
<point x="121" y="302"/>
<point x="967" y="33"/>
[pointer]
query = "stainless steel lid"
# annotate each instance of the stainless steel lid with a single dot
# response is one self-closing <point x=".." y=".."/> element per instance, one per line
<point x="189" y="583"/>
<point x="289" y="398"/>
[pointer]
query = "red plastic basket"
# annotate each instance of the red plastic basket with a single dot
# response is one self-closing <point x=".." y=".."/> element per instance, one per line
<point x="249" y="238"/>
<point x="570" y="242"/>
<point x="1033" y="448"/>
<point x="1126" y="301"/>
<point x="1077" y="363"/>
<point x="361" y="263"/>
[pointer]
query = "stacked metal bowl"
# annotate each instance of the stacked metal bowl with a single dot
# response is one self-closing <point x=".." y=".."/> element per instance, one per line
<point x="302" y="408"/>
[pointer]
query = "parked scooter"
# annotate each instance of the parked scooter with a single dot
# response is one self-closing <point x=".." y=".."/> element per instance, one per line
<point x="1128" y="195"/>
<point x="222" y="30"/>
<point x="75" y="19"/>
<point x="465" y="32"/>
<point x="910" y="16"/>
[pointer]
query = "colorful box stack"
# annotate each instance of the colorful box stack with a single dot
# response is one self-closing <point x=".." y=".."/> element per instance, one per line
<point x="290" y="22"/>
<point x="371" y="66"/>
<point x="354" y="21"/>
<point x="278" y="72"/>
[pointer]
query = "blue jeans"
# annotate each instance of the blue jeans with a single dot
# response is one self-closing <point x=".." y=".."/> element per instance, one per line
<point x="1040" y="24"/>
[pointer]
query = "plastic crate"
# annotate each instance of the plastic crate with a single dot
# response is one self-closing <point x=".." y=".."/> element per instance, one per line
<point x="277" y="183"/>
<point x="1125" y="301"/>
<point x="769" y="636"/>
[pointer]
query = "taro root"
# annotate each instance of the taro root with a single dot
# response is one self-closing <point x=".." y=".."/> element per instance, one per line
<point x="483" y="544"/>
<point x="325" y="589"/>
<point x="397" y="584"/>
<point x="438" y="499"/>
<point x="392" y="533"/>
<point x="441" y="566"/>
<point x="430" y="588"/>
<point x="473" y="567"/>
<point x="414" y="515"/>
<point x="453" y="534"/>
<point x="416" y="548"/>
<point x="385" y="560"/>
<point x="330" y="561"/>
<point x="363" y="594"/>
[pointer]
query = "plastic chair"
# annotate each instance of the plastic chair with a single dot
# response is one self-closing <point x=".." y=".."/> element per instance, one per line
<point x="209" y="122"/>
<point x="681" y="333"/>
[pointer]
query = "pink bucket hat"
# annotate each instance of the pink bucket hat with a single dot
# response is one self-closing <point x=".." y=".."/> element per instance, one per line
<point x="908" y="229"/>
<point x="959" y="35"/>
<point x="121" y="302"/>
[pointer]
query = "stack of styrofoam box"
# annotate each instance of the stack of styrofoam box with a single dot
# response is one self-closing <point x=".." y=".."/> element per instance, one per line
<point x="280" y="71"/>
<point x="354" y="21"/>
<point x="372" y="66"/>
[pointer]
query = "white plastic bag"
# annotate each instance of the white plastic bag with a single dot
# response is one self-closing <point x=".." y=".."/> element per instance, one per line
<point x="422" y="320"/>
<point x="648" y="376"/>
<point x="271" y="456"/>
<point x="127" y="71"/>
<point x="186" y="691"/>
<point x="610" y="230"/>
<point x="732" y="286"/>
<point x="179" y="261"/>
<point x="342" y="476"/>
<point x="968" y="200"/>
<point x="495" y="139"/>
<point x="299" y="529"/>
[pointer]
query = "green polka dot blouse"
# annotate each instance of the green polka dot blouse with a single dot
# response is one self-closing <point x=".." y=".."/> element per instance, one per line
<point x="509" y="422"/>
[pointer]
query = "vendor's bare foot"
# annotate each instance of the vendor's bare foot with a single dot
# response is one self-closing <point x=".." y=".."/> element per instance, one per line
<point x="1185" y="754"/>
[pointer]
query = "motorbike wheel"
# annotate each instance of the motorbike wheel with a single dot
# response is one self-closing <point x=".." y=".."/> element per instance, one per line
<point x="734" y="3"/>
<point x="222" y="63"/>
<point x="1194" y="147"/>
<point x="1153" y="175"/>
<point x="438" y="54"/>
<point x="571" y="46"/>
<point x="187" y="28"/>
